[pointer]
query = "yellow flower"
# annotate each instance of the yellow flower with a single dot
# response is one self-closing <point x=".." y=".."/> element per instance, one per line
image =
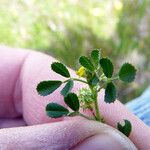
<point x="81" y="72"/>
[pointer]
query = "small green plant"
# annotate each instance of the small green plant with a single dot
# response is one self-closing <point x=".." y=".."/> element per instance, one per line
<point x="97" y="73"/>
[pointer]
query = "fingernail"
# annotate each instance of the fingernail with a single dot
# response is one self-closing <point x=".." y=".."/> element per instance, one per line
<point x="103" y="142"/>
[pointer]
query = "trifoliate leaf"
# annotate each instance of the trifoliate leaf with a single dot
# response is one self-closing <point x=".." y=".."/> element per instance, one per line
<point x="126" y="128"/>
<point x="110" y="93"/>
<point x="55" y="110"/>
<point x="47" y="87"/>
<point x="127" y="73"/>
<point x="86" y="62"/>
<point x="72" y="101"/>
<point x="60" y="69"/>
<point x="107" y="67"/>
<point x="95" y="56"/>
<point x="89" y="76"/>
<point x="67" y="88"/>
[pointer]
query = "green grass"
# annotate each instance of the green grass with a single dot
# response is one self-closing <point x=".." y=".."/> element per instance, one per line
<point x="59" y="28"/>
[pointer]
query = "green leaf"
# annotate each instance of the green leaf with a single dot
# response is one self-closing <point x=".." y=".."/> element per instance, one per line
<point x="127" y="73"/>
<point x="89" y="76"/>
<point x="86" y="63"/>
<point x="110" y="93"/>
<point x="47" y="87"/>
<point x="68" y="87"/>
<point x="55" y="110"/>
<point x="107" y="67"/>
<point x="94" y="81"/>
<point x="60" y="69"/>
<point x="126" y="128"/>
<point x="72" y="101"/>
<point x="95" y="56"/>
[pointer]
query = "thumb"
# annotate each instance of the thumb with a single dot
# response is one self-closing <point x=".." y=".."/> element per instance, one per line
<point x="76" y="135"/>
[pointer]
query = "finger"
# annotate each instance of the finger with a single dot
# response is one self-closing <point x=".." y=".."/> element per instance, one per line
<point x="8" y="123"/>
<point x="34" y="67"/>
<point x="10" y="91"/>
<point x="34" y="105"/>
<point x="117" y="112"/>
<point x="25" y="69"/>
<point x="76" y="135"/>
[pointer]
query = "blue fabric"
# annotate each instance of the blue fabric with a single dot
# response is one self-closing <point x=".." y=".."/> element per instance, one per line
<point x="141" y="107"/>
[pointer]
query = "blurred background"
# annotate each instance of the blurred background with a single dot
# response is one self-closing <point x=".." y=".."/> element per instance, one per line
<point x="67" y="29"/>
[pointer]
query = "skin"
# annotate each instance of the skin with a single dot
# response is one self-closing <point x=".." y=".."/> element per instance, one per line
<point x="24" y="124"/>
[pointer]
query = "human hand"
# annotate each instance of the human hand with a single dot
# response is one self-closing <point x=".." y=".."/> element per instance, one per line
<point x="20" y="105"/>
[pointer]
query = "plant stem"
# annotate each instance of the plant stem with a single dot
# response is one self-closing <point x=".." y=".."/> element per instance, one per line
<point x="110" y="80"/>
<point x="95" y="97"/>
<point x="115" y="78"/>
<point x="75" y="79"/>
<point x="93" y="113"/>
<point x="80" y="80"/>
<point x="84" y="116"/>
<point x="98" y="116"/>
<point x="102" y="86"/>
